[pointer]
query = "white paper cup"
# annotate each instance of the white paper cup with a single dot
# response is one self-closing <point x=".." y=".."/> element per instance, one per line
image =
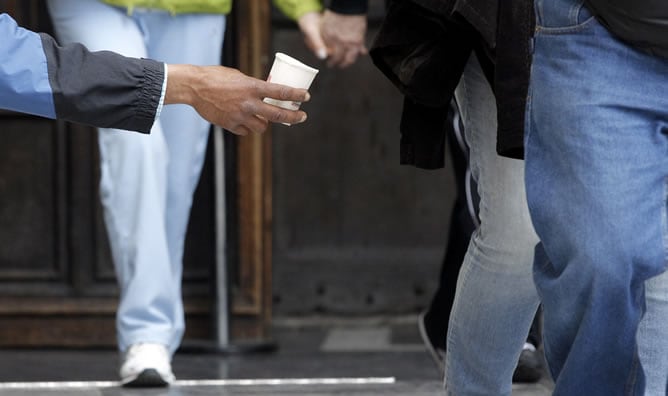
<point x="289" y="71"/>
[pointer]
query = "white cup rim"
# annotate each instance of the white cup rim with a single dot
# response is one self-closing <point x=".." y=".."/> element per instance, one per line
<point x="294" y="62"/>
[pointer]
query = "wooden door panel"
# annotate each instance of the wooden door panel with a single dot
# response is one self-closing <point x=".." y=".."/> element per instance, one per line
<point x="57" y="284"/>
<point x="31" y="200"/>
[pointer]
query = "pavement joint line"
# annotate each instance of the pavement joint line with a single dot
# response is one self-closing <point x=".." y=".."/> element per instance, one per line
<point x="210" y="382"/>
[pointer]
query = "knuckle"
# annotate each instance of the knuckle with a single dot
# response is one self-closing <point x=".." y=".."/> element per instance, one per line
<point x="280" y="116"/>
<point x="238" y="130"/>
<point x="254" y="85"/>
<point x="285" y="93"/>
<point x="247" y="107"/>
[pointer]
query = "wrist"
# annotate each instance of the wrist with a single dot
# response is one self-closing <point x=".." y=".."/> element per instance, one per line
<point x="294" y="9"/>
<point x="180" y="82"/>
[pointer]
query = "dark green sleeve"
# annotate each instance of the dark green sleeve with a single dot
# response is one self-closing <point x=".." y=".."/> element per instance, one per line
<point x="294" y="9"/>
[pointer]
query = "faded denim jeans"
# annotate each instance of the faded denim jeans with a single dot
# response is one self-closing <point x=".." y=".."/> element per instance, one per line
<point x="496" y="300"/>
<point x="596" y="179"/>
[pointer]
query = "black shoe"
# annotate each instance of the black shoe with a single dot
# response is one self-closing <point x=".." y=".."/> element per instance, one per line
<point x="437" y="353"/>
<point x="530" y="366"/>
<point x="148" y="378"/>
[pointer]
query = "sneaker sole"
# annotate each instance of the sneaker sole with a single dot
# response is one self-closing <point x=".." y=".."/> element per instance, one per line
<point x="438" y="359"/>
<point x="529" y="369"/>
<point x="526" y="375"/>
<point x="149" y="378"/>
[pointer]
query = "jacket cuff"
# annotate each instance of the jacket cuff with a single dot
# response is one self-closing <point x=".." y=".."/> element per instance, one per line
<point x="151" y="94"/>
<point x="349" y="6"/>
<point x="102" y="88"/>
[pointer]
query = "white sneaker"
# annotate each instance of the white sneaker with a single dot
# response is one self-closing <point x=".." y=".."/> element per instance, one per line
<point x="146" y="365"/>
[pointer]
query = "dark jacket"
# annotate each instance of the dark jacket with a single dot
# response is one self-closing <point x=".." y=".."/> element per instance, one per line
<point x="423" y="46"/>
<point x="97" y="88"/>
<point x="641" y="23"/>
<point x="349" y="6"/>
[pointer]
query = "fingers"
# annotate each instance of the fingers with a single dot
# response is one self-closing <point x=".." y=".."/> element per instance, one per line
<point x="309" y="24"/>
<point x="256" y="124"/>
<point x="234" y="101"/>
<point x="345" y="56"/>
<point x="344" y="36"/>
<point x="336" y="56"/>
<point x="353" y="54"/>
<point x="316" y="45"/>
<point x="271" y="113"/>
<point x="239" y="130"/>
<point x="282" y="92"/>
<point x="279" y="115"/>
<point x="250" y="125"/>
<point x="349" y="59"/>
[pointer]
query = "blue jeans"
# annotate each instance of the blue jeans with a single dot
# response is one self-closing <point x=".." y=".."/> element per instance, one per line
<point x="496" y="300"/>
<point x="147" y="182"/>
<point x="596" y="180"/>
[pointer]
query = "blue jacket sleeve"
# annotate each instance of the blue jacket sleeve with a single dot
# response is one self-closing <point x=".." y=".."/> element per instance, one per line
<point x="24" y="77"/>
<point x="101" y="89"/>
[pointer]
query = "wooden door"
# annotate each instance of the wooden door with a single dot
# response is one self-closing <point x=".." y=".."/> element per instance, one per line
<point x="57" y="284"/>
<point x="252" y="300"/>
<point x="355" y="232"/>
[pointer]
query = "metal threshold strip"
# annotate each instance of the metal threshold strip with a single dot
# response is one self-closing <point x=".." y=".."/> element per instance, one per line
<point x="205" y="382"/>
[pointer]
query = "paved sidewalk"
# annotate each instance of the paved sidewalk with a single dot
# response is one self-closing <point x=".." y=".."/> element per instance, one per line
<point x="337" y="359"/>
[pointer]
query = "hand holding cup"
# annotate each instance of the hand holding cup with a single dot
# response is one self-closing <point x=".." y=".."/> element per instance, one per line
<point x="291" y="72"/>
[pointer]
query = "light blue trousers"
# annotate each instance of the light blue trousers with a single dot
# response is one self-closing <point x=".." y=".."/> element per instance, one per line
<point x="147" y="182"/>
<point x="496" y="298"/>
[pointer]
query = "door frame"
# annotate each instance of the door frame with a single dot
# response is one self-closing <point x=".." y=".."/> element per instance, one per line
<point x="254" y="174"/>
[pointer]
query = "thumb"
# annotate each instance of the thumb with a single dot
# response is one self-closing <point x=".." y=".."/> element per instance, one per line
<point x="316" y="44"/>
<point x="309" y="24"/>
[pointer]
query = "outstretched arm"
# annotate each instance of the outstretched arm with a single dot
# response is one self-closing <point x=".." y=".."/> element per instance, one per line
<point x="105" y="89"/>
